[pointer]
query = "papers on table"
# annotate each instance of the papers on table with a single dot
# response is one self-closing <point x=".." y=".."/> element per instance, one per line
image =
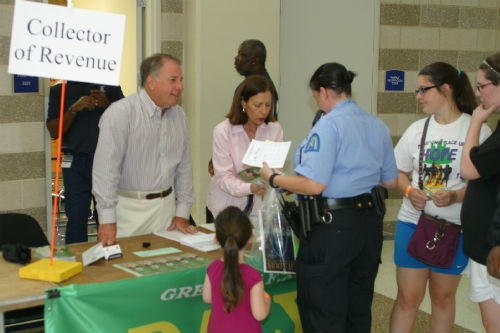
<point x="98" y="251"/>
<point x="208" y="226"/>
<point x="158" y="265"/>
<point x="60" y="253"/>
<point x="273" y="153"/>
<point x="199" y="241"/>
<point x="156" y="252"/>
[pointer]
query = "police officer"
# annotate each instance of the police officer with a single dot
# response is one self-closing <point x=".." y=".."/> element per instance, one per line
<point x="345" y="156"/>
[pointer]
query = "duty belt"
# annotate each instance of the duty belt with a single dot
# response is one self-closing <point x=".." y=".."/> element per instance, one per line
<point x="362" y="201"/>
<point x="315" y="209"/>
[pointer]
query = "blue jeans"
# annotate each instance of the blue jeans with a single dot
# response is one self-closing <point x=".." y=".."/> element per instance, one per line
<point x="78" y="193"/>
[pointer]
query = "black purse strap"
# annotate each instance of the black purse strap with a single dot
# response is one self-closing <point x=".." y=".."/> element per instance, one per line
<point x="249" y="205"/>
<point x="421" y="154"/>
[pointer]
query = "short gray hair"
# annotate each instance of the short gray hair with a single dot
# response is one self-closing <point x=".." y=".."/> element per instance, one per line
<point x="152" y="64"/>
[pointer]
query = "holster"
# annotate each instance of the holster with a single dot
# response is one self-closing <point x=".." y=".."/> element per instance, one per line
<point x="291" y="213"/>
<point x="305" y="222"/>
<point x="312" y="210"/>
<point x="379" y="194"/>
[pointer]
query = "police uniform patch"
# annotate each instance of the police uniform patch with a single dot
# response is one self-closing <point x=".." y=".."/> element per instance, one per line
<point x="313" y="143"/>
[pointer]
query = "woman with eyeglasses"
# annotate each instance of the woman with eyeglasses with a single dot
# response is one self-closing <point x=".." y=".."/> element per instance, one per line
<point x="481" y="165"/>
<point x="446" y="96"/>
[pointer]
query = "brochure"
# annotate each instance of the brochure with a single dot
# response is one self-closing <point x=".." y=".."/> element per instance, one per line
<point x="172" y="263"/>
<point x="251" y="175"/>
<point x="60" y="253"/>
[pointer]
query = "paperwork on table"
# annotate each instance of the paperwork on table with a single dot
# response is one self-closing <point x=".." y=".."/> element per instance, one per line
<point x="199" y="241"/>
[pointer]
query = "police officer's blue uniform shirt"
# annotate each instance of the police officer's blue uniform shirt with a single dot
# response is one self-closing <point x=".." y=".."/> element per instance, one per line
<point x="348" y="150"/>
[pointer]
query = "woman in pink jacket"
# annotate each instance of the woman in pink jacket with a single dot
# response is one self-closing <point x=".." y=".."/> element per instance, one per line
<point x="250" y="117"/>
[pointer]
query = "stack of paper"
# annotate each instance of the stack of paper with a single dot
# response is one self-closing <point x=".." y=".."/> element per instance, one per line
<point x="199" y="241"/>
<point x="60" y="253"/>
<point x="98" y="251"/>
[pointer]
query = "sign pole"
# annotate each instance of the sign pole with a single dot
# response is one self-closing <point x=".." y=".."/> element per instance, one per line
<point x="79" y="45"/>
<point x="58" y="168"/>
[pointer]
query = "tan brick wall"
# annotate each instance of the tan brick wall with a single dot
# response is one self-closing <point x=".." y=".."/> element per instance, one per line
<point x="22" y="137"/>
<point x="172" y="17"/>
<point x="415" y="33"/>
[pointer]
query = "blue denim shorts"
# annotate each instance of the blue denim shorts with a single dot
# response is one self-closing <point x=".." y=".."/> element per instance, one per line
<point x="404" y="231"/>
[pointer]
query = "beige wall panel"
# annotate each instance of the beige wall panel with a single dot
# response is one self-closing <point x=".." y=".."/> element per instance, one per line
<point x="214" y="29"/>
<point x="390" y="37"/>
<point x="419" y="38"/>
<point x="10" y="195"/>
<point x="33" y="193"/>
<point x="128" y="72"/>
<point x="6" y="14"/>
<point x="457" y="39"/>
<point x="6" y="81"/>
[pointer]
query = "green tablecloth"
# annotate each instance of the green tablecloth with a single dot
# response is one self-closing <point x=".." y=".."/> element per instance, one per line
<point x="168" y="302"/>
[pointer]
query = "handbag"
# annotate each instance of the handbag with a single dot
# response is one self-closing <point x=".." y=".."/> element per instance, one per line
<point x="435" y="241"/>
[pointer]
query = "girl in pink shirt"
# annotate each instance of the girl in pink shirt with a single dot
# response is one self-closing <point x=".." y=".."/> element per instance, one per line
<point x="235" y="289"/>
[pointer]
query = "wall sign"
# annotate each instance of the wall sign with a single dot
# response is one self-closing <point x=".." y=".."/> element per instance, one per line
<point x="394" y="80"/>
<point x="25" y="84"/>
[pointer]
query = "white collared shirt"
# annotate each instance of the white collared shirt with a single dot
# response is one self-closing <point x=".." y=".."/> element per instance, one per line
<point x="139" y="150"/>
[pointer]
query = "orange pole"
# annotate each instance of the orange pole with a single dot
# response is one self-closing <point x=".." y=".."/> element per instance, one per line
<point x="58" y="167"/>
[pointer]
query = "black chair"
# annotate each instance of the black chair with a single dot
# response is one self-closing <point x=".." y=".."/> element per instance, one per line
<point x="21" y="228"/>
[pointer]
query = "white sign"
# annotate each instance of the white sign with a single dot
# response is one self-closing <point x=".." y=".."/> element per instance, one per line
<point x="66" y="43"/>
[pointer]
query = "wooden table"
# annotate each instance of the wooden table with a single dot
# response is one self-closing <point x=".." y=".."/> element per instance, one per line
<point x="17" y="293"/>
<point x="103" y="271"/>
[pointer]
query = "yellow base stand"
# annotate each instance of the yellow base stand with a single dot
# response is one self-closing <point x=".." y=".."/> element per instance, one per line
<point x="42" y="270"/>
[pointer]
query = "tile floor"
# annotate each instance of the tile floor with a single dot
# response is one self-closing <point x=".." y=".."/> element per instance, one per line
<point x="467" y="312"/>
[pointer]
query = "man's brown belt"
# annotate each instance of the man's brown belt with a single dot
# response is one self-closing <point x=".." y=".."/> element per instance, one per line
<point x="162" y="194"/>
<point x="145" y="195"/>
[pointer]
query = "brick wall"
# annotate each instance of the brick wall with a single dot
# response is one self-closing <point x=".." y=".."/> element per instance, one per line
<point x="22" y="137"/>
<point x="172" y="14"/>
<point x="415" y="33"/>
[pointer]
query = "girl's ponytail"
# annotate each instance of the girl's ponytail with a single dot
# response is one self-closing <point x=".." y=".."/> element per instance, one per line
<point x="232" y="230"/>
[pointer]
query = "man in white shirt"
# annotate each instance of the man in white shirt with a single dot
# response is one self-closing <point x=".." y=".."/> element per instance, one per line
<point x="142" y="173"/>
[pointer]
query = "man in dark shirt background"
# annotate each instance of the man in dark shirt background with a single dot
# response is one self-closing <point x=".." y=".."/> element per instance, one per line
<point x="251" y="60"/>
<point x="83" y="106"/>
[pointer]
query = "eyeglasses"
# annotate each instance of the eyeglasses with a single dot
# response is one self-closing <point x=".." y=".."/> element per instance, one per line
<point x="480" y="87"/>
<point x="424" y="89"/>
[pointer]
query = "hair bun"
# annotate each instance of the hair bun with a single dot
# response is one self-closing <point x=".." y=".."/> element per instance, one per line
<point x="349" y="76"/>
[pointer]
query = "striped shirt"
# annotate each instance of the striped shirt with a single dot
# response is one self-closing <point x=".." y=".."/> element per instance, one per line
<point x="141" y="150"/>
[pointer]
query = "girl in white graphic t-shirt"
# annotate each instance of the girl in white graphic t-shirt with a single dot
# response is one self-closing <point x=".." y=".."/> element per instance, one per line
<point x="446" y="95"/>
